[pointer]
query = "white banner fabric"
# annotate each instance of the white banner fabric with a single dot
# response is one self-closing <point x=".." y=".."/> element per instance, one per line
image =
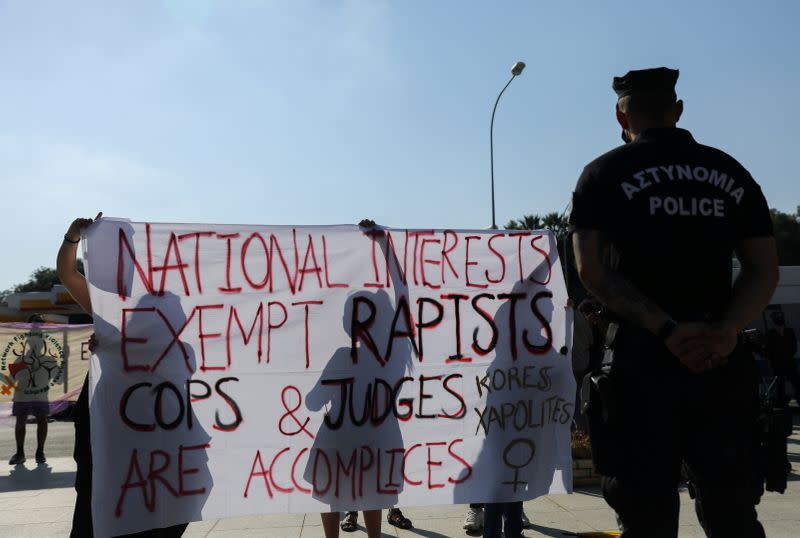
<point x="293" y="369"/>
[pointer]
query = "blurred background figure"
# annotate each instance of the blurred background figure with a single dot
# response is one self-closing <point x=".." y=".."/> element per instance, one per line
<point x="781" y="347"/>
<point x="40" y="409"/>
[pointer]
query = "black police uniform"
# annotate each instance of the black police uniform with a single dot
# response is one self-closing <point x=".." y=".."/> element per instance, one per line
<point x="674" y="209"/>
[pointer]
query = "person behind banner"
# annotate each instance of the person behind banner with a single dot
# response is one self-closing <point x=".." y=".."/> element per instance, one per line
<point x="504" y="444"/>
<point x="781" y="347"/>
<point x="681" y="388"/>
<point x="583" y="346"/>
<point x="75" y="283"/>
<point x="505" y="519"/>
<point x="343" y="436"/>
<point x="394" y="517"/>
<point x="593" y="312"/>
<point x="473" y="520"/>
<point x="29" y="364"/>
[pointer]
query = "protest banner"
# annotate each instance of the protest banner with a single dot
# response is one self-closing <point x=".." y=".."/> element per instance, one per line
<point x="278" y="369"/>
<point x="42" y="363"/>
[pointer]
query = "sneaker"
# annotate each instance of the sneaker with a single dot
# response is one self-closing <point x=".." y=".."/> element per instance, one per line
<point x="40" y="457"/>
<point x="350" y="522"/>
<point x="474" y="520"/>
<point x="395" y="517"/>
<point x="526" y="523"/>
<point x="17" y="459"/>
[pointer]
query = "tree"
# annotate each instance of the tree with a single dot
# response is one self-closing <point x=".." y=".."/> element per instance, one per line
<point x="787" y="236"/>
<point x="527" y="222"/>
<point x="43" y="279"/>
<point x="556" y="222"/>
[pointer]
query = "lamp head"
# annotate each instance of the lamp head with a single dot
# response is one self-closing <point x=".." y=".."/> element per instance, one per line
<point x="517" y="69"/>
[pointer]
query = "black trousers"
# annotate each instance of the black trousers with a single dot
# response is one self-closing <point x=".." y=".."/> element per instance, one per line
<point x="787" y="370"/>
<point x="82" y="526"/>
<point x="664" y="416"/>
<point x="502" y="520"/>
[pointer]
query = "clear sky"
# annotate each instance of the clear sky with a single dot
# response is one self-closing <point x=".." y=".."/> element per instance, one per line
<point x="325" y="112"/>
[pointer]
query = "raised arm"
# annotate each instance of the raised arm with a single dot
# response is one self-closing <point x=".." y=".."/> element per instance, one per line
<point x="400" y="287"/>
<point x="67" y="263"/>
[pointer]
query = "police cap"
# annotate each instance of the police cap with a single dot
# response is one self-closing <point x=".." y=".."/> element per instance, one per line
<point x="646" y="80"/>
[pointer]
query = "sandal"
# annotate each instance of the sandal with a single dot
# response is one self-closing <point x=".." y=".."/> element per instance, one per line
<point x="395" y="517"/>
<point x="350" y="522"/>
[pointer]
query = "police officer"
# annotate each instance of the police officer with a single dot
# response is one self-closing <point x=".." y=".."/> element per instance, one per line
<point x="674" y="212"/>
<point x="781" y="347"/>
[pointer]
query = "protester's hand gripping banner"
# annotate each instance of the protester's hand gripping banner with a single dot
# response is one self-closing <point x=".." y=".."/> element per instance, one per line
<point x="277" y="369"/>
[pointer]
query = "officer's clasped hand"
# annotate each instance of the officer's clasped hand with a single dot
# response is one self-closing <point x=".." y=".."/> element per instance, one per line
<point x="701" y="347"/>
<point x="686" y="343"/>
<point x="721" y="341"/>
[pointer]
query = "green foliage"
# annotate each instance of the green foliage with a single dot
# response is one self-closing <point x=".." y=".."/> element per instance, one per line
<point x="556" y="222"/>
<point x="527" y="222"/>
<point x="559" y="224"/>
<point x="42" y="279"/>
<point x="787" y="236"/>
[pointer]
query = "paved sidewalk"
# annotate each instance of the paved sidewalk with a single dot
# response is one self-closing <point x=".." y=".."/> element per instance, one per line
<point x="37" y="502"/>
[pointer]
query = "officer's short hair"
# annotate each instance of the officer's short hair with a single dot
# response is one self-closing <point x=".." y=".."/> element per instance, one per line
<point x="651" y="105"/>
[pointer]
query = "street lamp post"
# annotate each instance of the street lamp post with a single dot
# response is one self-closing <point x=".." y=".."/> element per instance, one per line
<point x="516" y="70"/>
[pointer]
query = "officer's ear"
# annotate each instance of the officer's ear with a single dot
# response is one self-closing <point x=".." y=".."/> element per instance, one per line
<point x="678" y="110"/>
<point x="622" y="119"/>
